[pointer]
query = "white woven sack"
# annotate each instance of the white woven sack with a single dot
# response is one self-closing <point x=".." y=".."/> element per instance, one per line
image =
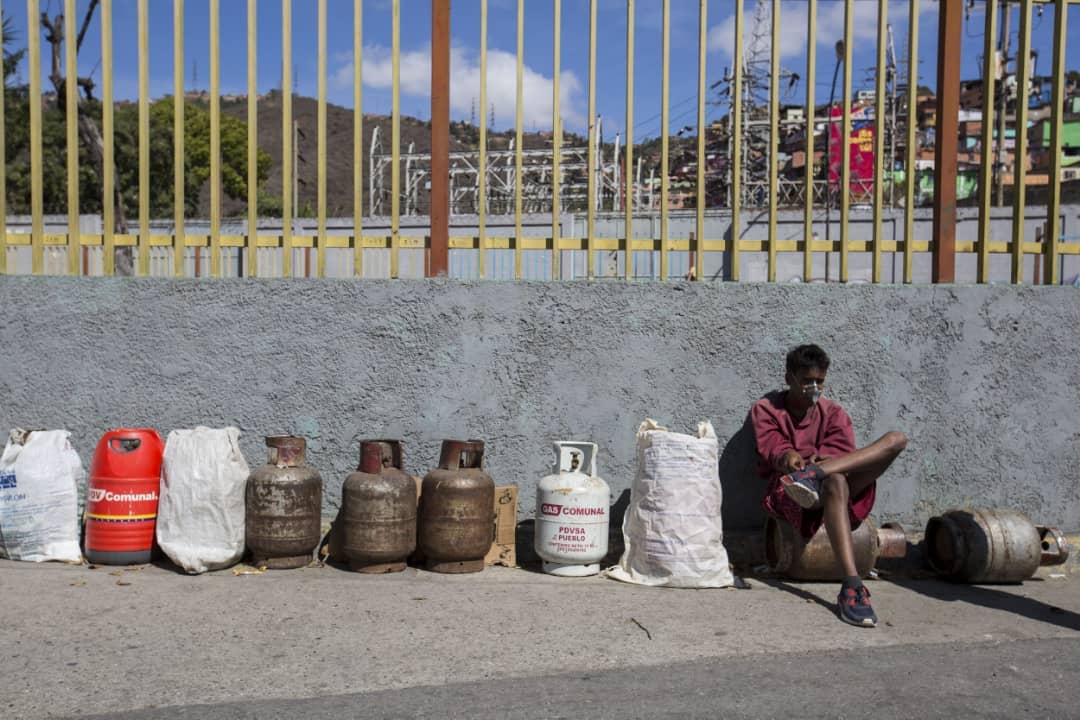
<point x="40" y="475"/>
<point x="200" y="522"/>
<point x="672" y="528"/>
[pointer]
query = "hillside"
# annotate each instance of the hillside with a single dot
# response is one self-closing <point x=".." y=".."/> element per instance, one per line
<point x="340" y="158"/>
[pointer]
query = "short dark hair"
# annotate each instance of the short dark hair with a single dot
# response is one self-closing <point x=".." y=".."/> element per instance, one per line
<point x="805" y="357"/>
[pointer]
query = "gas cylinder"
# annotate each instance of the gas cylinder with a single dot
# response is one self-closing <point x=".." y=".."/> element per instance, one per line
<point x="283" y="502"/>
<point x="991" y="546"/>
<point x="457" y="510"/>
<point x="790" y="554"/>
<point x="378" y="510"/>
<point x="572" y="506"/>
<point x="122" y="497"/>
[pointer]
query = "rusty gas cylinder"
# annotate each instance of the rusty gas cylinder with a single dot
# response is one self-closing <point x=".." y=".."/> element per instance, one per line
<point x="283" y="506"/>
<point x="791" y="555"/>
<point x="457" y="510"/>
<point x="990" y="546"/>
<point x="378" y="510"/>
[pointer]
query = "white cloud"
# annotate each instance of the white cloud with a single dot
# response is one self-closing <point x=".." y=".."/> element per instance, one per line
<point x="793" y="17"/>
<point x="465" y="85"/>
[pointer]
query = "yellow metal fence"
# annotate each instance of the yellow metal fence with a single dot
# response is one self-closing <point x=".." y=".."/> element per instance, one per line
<point x="183" y="246"/>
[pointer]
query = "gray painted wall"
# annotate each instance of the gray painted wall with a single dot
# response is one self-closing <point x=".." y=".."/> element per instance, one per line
<point x="984" y="380"/>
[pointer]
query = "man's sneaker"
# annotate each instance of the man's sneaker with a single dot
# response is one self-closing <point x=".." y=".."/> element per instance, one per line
<point x="804" y="486"/>
<point x="855" y="607"/>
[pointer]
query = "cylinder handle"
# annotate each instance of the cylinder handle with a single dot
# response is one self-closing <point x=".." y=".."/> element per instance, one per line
<point x="569" y="451"/>
<point x="462" y="454"/>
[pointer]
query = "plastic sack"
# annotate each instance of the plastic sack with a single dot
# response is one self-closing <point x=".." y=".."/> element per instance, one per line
<point x="200" y="523"/>
<point x="40" y="475"/>
<point x="672" y="528"/>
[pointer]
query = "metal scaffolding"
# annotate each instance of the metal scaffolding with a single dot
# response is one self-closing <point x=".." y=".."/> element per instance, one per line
<point x="536" y="179"/>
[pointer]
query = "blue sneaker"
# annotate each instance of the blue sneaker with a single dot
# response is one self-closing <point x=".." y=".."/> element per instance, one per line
<point x="804" y="486"/>
<point x="854" y="604"/>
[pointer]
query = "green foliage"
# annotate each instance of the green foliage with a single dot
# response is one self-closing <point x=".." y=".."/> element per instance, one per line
<point x="126" y="155"/>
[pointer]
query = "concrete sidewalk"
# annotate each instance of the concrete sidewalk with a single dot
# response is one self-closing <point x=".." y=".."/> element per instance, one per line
<point x="81" y="641"/>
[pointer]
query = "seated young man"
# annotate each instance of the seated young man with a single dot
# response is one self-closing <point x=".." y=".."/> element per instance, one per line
<point x="806" y="449"/>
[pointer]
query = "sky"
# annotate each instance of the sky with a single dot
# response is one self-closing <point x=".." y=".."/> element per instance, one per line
<point x="538" y="53"/>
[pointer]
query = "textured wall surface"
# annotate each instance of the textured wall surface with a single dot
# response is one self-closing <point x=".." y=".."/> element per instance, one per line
<point x="984" y="380"/>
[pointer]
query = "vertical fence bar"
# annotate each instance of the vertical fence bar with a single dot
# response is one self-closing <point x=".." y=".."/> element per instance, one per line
<point x="590" y="213"/>
<point x="519" y="135"/>
<point x="1051" y="272"/>
<point x="845" y="142"/>
<point x="629" y="206"/>
<point x="143" y="267"/>
<point x="37" y="228"/>
<point x="252" y="139"/>
<point x="912" y="117"/>
<point x="481" y="189"/>
<point x="179" y="233"/>
<point x="108" y="177"/>
<point x="665" y="131"/>
<point x="3" y="172"/>
<point x="1023" y="73"/>
<point x="735" y="110"/>
<point x="71" y="115"/>
<point x="950" y="36"/>
<point x="320" y="258"/>
<point x="702" y="157"/>
<point x="358" y="139"/>
<point x="986" y="171"/>
<point x="286" y="138"/>
<point x="879" y="140"/>
<point x="556" y="141"/>
<point x="215" y="138"/>
<point x="810" y="143"/>
<point x="395" y="150"/>
<point x="774" y="135"/>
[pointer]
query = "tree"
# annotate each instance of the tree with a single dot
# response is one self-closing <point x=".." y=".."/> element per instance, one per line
<point x="11" y="58"/>
<point x="126" y="153"/>
<point x="196" y="146"/>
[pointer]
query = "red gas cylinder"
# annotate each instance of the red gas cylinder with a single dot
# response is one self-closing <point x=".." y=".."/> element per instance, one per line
<point x="122" y="497"/>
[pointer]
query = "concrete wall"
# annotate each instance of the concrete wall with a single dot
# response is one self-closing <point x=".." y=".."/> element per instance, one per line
<point x="984" y="380"/>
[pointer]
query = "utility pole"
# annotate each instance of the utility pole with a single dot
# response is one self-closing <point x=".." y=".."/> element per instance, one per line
<point x="439" y="253"/>
<point x="1003" y="104"/>
<point x="950" y="36"/>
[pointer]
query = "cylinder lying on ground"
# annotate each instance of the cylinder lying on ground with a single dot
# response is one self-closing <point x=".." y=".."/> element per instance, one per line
<point x="791" y="555"/>
<point x="990" y="546"/>
<point x="283" y="503"/>
<point x="457" y="510"/>
<point x="378" y="510"/>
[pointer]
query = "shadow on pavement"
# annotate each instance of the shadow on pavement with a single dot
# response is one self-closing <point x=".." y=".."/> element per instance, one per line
<point x="994" y="599"/>
<point x="828" y="588"/>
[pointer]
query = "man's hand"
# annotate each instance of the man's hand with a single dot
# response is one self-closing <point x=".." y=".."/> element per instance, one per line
<point x="791" y="461"/>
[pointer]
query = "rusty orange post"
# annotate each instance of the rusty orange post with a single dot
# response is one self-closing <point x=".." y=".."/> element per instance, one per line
<point x="439" y="255"/>
<point x="950" y="36"/>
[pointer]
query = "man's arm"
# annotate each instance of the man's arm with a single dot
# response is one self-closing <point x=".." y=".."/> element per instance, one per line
<point x="772" y="444"/>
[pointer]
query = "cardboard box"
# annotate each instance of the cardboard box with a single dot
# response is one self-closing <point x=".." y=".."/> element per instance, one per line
<point x="504" y="550"/>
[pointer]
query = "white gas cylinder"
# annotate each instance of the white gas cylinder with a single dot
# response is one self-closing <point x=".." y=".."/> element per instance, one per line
<point x="572" y="513"/>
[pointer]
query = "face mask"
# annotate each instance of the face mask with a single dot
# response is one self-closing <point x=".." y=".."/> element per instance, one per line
<point x="812" y="393"/>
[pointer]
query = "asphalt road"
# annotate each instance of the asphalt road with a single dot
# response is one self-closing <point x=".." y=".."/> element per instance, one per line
<point x="1032" y="678"/>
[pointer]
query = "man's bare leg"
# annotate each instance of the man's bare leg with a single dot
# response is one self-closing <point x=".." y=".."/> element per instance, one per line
<point x="835" y="493"/>
<point x="850" y="475"/>
<point x="866" y="464"/>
